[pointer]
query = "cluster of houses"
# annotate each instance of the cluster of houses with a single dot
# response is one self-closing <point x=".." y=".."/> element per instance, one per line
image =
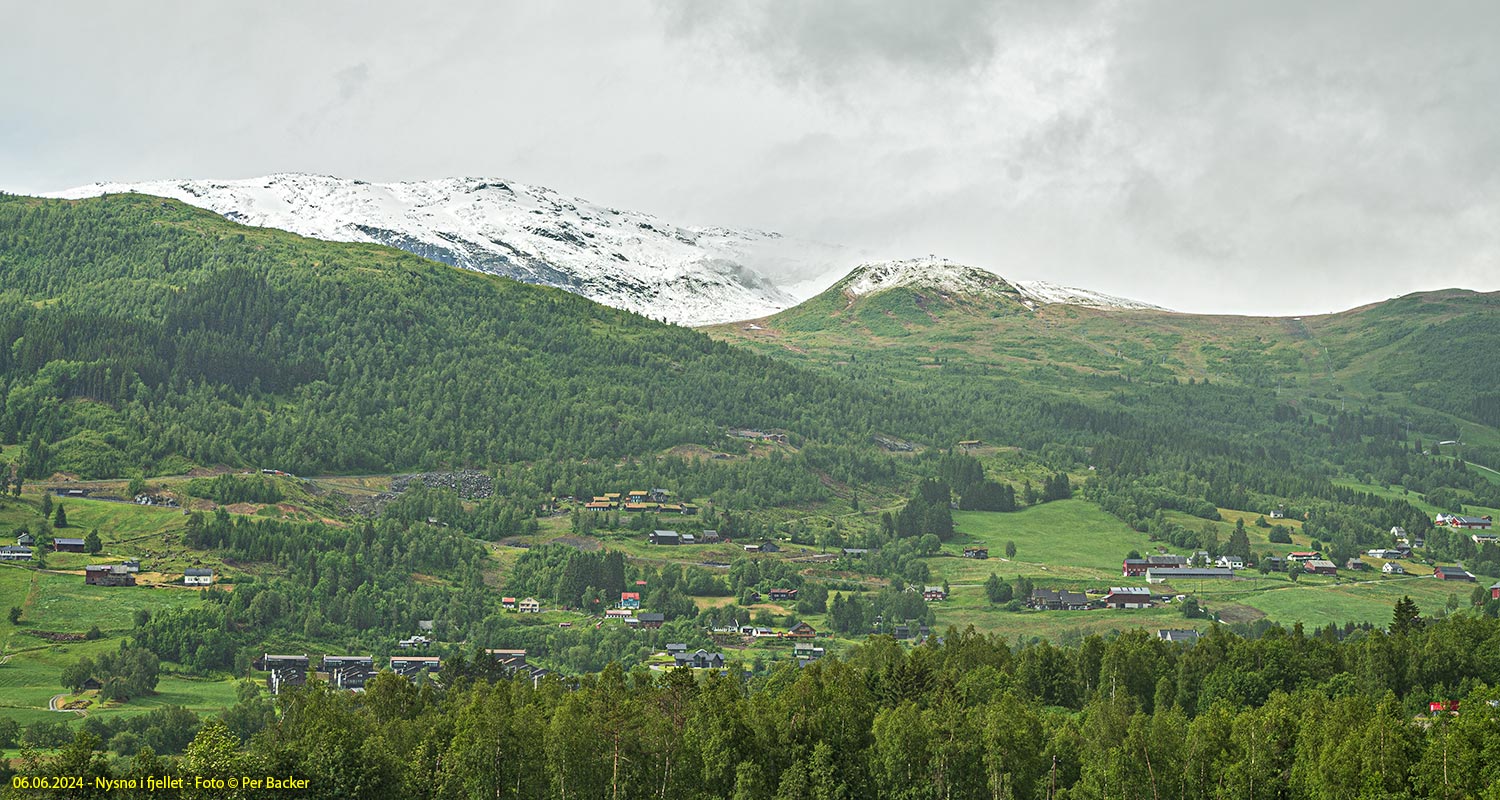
<point x="799" y="632"/>
<point x="675" y="538"/>
<point x="529" y="605"/>
<point x="1065" y="600"/>
<point x="352" y="672"/>
<point x="976" y="552"/>
<point x="640" y="500"/>
<point x="698" y="659"/>
<point x="758" y="435"/>
<point x="1162" y="568"/>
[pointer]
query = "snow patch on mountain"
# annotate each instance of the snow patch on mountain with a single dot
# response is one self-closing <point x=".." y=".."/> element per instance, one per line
<point x="625" y="259"/>
<point x="1044" y="293"/>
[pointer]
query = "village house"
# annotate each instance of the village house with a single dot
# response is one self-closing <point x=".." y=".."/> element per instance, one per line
<point x="413" y="642"/>
<point x="598" y="505"/>
<point x="131" y="566"/>
<point x="1383" y="553"/>
<point x="630" y="600"/>
<point x="1049" y="600"/>
<point x="1230" y="562"/>
<point x="68" y="544"/>
<point x="529" y="606"/>
<point x="15" y="552"/>
<point x="778" y="595"/>
<point x="349" y="672"/>
<point x="802" y="630"/>
<point x="1187" y="574"/>
<point x="1495" y="591"/>
<point x="26" y="540"/>
<point x="197" y="576"/>
<point x="934" y="594"/>
<point x="285" y="671"/>
<point x="1319" y="566"/>
<point x="665" y="537"/>
<point x="1128" y="597"/>
<point x="1304" y="555"/>
<point x="1392" y="568"/>
<point x="709" y="537"/>
<point x="976" y="552"/>
<point x="700" y="659"/>
<point x="639" y="506"/>
<point x="1176" y="635"/>
<point x="648" y="620"/>
<point x="412" y="667"/>
<point x="1278" y="513"/>
<point x="856" y="552"/>
<point x="688" y="538"/>
<point x="1485" y="538"/>
<point x="618" y="613"/>
<point x="508" y="603"/>
<point x="107" y="575"/>
<point x="762" y="547"/>
<point x="676" y="648"/>
<point x="1452" y="574"/>
<point x="1356" y="564"/>
<point x="806" y="653"/>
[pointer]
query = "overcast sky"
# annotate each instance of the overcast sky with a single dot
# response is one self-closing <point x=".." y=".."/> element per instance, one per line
<point x="1254" y="157"/>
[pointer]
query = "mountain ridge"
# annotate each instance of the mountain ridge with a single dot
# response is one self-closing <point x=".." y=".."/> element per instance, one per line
<point x="626" y="259"/>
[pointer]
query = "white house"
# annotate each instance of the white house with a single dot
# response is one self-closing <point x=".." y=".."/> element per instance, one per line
<point x="197" y="577"/>
<point x="1230" y="562"/>
<point x="1393" y="568"/>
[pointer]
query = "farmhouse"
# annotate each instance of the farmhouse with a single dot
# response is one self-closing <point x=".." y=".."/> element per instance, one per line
<point x="801" y="630"/>
<point x="131" y="566"/>
<point x="194" y="576"/>
<point x="630" y="599"/>
<point x="783" y="594"/>
<point x="709" y="537"/>
<point x="856" y="552"/>
<point x="1278" y="513"/>
<point x="1176" y="635"/>
<point x="1485" y="538"/>
<point x="1383" y="553"/>
<point x="1392" y="568"/>
<point x="107" y="575"/>
<point x="598" y="505"/>
<point x="1452" y="574"/>
<point x="285" y="671"/>
<point x="763" y="547"/>
<point x="411" y="667"/>
<point x="1319" y="566"/>
<point x="1187" y="573"/>
<point x="665" y="537"/>
<point x="26" y="540"/>
<point x="1230" y="562"/>
<point x="618" y="613"/>
<point x="67" y="544"/>
<point x="1049" y="600"/>
<point x="15" y="552"/>
<point x="412" y="642"/>
<point x="529" y="606"/>
<point x="976" y="552"/>
<point x="648" y="620"/>
<point x="1468" y="523"/>
<point x="1356" y="564"/>
<point x="349" y="672"/>
<point x="934" y="594"/>
<point x="1304" y="555"/>
<point x="508" y="603"/>
<point x="1128" y="597"/>
<point x="639" y="506"/>
<point x="700" y="659"/>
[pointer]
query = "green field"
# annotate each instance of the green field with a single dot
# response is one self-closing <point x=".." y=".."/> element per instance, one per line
<point x="1066" y="540"/>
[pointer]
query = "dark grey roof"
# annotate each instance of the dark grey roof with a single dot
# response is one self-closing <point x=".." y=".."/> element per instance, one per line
<point x="198" y="573"/>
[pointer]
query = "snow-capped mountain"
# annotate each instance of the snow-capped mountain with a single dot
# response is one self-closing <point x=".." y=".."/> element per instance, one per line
<point x="952" y="278"/>
<point x="625" y="259"/>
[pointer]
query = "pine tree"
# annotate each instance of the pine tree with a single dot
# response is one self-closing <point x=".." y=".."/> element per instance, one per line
<point x="91" y="542"/>
<point x="60" y="519"/>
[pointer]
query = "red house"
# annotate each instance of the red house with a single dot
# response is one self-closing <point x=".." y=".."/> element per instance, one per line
<point x="1495" y="592"/>
<point x="1443" y="706"/>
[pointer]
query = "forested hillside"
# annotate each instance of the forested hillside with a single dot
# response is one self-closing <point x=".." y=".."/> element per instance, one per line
<point x="147" y="335"/>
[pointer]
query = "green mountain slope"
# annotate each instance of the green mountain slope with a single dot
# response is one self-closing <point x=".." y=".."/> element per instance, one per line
<point x="1412" y="356"/>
